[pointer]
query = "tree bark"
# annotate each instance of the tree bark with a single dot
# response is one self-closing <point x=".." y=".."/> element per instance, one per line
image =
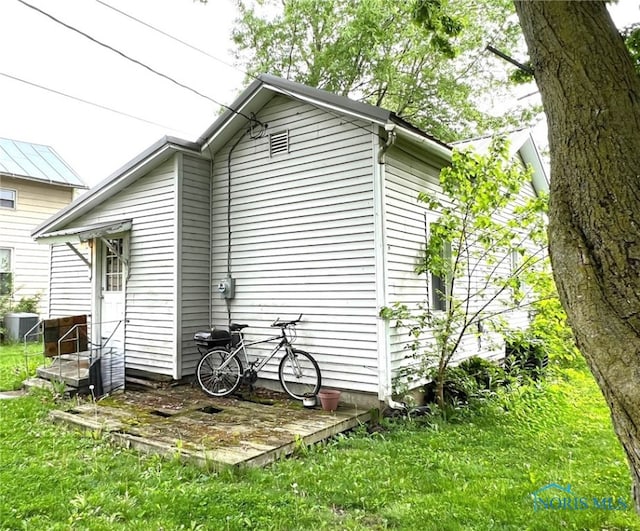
<point x="591" y="96"/>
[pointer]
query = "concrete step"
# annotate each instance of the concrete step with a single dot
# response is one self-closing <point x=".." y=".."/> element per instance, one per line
<point x="41" y="383"/>
<point x="73" y="372"/>
<point x="4" y="395"/>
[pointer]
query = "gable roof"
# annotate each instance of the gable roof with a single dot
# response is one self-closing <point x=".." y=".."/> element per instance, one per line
<point x="36" y="162"/>
<point x="228" y="124"/>
<point x="266" y="86"/>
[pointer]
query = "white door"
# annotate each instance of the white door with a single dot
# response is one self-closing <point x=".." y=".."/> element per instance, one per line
<point x="112" y="300"/>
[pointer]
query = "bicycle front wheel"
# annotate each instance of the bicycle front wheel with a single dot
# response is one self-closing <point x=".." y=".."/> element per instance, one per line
<point x="217" y="381"/>
<point x="299" y="374"/>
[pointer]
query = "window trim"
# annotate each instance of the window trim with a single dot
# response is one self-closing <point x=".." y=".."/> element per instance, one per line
<point x="437" y="301"/>
<point x="440" y="300"/>
<point x="15" y="199"/>
<point x="11" y="267"/>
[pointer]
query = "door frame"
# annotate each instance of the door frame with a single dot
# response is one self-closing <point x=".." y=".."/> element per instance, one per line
<point x="98" y="248"/>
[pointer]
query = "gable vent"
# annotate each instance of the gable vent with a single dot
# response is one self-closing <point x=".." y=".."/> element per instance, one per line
<point x="279" y="143"/>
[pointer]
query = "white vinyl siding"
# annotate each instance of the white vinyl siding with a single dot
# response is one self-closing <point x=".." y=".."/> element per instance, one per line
<point x="303" y="239"/>
<point x="35" y="202"/>
<point x="407" y="224"/>
<point x="195" y="256"/>
<point x="70" y="285"/>
<point x="149" y="202"/>
<point x="406" y="227"/>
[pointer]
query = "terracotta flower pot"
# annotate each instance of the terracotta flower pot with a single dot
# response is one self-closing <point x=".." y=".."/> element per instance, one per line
<point x="329" y="399"/>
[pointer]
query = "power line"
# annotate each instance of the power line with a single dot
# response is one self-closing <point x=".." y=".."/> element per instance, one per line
<point x="252" y="119"/>
<point x="129" y="58"/>
<point x="104" y="107"/>
<point x="174" y="38"/>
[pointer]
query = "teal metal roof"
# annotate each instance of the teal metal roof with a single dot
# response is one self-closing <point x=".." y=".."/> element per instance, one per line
<point x="36" y="162"/>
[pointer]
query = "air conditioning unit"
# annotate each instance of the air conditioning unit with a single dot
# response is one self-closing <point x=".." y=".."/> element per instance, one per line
<point x="18" y="324"/>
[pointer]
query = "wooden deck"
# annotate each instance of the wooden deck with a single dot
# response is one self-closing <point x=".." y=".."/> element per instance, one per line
<point x="213" y="433"/>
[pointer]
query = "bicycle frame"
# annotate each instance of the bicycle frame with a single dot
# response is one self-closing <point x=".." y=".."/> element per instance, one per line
<point x="221" y="370"/>
<point x="284" y="341"/>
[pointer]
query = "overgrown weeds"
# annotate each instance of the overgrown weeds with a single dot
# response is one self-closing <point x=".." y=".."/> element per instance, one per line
<point x="476" y="471"/>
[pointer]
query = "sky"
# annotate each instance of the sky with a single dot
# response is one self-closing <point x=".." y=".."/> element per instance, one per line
<point x="95" y="141"/>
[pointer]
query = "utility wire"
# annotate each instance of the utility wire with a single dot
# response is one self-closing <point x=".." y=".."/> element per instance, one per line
<point x="174" y="38"/>
<point x="129" y="58"/>
<point x="251" y="118"/>
<point x="59" y="93"/>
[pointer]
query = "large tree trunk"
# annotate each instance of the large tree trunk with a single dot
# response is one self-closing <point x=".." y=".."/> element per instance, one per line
<point x="591" y="96"/>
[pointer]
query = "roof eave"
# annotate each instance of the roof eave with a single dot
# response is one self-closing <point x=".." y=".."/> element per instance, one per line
<point x="433" y="145"/>
<point x="265" y="86"/>
<point x="155" y="154"/>
<point x="43" y="181"/>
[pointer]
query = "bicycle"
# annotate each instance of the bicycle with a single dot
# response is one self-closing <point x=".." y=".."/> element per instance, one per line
<point x="220" y="371"/>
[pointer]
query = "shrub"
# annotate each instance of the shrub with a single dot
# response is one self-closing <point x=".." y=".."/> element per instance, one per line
<point x="473" y="378"/>
<point x="487" y="374"/>
<point x="28" y="304"/>
<point x="525" y="352"/>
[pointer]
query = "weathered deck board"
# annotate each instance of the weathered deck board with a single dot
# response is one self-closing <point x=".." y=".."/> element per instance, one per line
<point x="214" y="433"/>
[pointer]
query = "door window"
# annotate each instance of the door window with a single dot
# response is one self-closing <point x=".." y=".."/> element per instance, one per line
<point x="114" y="269"/>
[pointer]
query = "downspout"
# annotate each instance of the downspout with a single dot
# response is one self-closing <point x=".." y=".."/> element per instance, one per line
<point x="391" y="139"/>
<point x="387" y="384"/>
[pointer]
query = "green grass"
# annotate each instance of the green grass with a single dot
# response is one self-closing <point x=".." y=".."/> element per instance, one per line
<point x="477" y="472"/>
<point x="16" y="364"/>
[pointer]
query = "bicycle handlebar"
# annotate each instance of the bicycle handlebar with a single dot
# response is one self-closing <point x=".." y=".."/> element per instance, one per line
<point x="283" y="324"/>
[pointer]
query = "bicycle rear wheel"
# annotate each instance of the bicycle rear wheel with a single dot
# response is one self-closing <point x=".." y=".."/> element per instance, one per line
<point x="214" y="380"/>
<point x="299" y="374"/>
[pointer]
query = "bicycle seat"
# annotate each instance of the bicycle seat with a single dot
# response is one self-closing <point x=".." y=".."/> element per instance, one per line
<point x="235" y="327"/>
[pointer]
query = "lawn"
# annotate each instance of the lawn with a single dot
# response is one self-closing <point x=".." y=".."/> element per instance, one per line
<point x="16" y="363"/>
<point x="477" y="472"/>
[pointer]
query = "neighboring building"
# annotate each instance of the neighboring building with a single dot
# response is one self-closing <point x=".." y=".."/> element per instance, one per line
<point x="34" y="184"/>
<point x="306" y="199"/>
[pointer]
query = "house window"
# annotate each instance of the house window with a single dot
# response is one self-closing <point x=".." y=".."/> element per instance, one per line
<point x="517" y="286"/>
<point x="516" y="261"/>
<point x="6" y="271"/>
<point x="278" y="143"/>
<point x="440" y="284"/>
<point x="114" y="270"/>
<point x="7" y="198"/>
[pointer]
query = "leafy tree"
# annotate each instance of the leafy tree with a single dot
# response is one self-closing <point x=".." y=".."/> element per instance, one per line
<point x="422" y="59"/>
<point x="485" y="242"/>
<point x="631" y="35"/>
<point x="591" y="96"/>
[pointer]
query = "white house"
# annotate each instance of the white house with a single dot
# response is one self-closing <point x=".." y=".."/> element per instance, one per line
<point x="35" y="182"/>
<point x="307" y="200"/>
